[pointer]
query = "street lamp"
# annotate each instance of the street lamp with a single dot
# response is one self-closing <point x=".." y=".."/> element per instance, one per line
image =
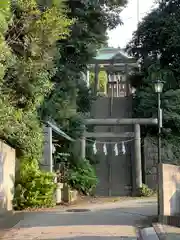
<point x="158" y="85"/>
<point x="133" y="90"/>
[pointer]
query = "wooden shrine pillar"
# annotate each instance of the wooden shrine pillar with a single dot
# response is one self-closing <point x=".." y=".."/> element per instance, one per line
<point x="96" y="80"/>
<point x="127" y="81"/>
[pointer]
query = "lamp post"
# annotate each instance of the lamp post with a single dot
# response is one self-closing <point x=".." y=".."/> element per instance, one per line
<point x="158" y="85"/>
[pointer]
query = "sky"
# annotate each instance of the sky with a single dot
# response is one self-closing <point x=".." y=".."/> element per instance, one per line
<point x="120" y="36"/>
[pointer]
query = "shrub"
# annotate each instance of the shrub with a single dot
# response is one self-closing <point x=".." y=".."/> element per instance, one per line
<point x="34" y="188"/>
<point x="145" y="191"/>
<point x="82" y="177"/>
<point x="21" y="129"/>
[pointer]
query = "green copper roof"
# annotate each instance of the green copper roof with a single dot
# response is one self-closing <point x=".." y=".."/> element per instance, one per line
<point x="111" y="53"/>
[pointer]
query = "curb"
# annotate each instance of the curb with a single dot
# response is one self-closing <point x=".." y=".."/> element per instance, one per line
<point x="147" y="234"/>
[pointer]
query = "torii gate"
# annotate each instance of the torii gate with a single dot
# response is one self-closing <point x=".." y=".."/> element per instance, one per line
<point x="136" y="134"/>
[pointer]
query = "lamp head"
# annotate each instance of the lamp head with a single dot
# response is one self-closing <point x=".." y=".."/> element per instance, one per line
<point x="133" y="90"/>
<point x="158" y="86"/>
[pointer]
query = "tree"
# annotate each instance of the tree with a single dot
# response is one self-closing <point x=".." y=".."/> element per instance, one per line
<point x="5" y="53"/>
<point x="155" y="45"/>
<point x="71" y="96"/>
<point x="28" y="46"/>
<point x="32" y="38"/>
<point x="70" y="100"/>
<point x="88" y="34"/>
<point x="102" y="77"/>
<point x="158" y="37"/>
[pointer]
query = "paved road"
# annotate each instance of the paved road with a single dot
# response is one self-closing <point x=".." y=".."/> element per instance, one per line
<point x="110" y="221"/>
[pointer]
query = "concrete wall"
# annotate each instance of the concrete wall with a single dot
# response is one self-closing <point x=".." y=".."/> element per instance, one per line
<point x="7" y="177"/>
<point x="114" y="172"/>
<point x="170" y="189"/>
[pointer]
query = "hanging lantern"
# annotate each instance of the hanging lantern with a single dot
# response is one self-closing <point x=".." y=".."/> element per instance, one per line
<point x="116" y="150"/>
<point x="94" y="148"/>
<point x="105" y="149"/>
<point x="123" y="148"/>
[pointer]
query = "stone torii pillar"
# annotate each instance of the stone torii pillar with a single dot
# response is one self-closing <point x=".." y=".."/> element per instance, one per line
<point x="83" y="144"/>
<point x="137" y="157"/>
<point x="137" y="139"/>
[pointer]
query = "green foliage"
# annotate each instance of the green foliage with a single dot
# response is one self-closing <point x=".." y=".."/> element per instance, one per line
<point x="71" y="98"/>
<point x="102" y="87"/>
<point x="68" y="97"/>
<point x="84" y="98"/>
<point x="34" y="188"/>
<point x="155" y="45"/>
<point x="32" y="37"/>
<point x="158" y="37"/>
<point x="82" y="177"/>
<point x="21" y="129"/>
<point x="146" y="98"/>
<point x="145" y="191"/>
<point x="28" y="39"/>
<point x="5" y="53"/>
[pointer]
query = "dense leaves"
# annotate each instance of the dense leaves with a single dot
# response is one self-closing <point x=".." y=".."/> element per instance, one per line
<point x="28" y="39"/>
<point x="102" y="83"/>
<point x="71" y="97"/>
<point x="83" y="177"/>
<point x="70" y="100"/>
<point x="34" y="188"/>
<point x="155" y="45"/>
<point x="32" y="36"/>
<point x="158" y="36"/>
<point x="45" y="47"/>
